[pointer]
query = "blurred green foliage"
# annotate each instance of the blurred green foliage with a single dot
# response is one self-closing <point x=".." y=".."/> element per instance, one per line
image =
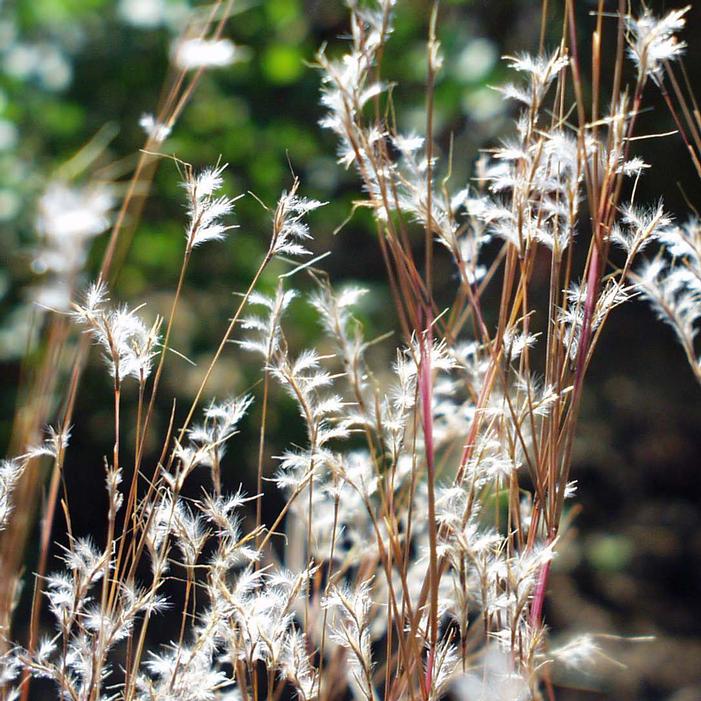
<point x="72" y="68"/>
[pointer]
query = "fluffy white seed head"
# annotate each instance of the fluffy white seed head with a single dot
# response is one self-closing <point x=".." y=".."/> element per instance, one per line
<point x="69" y="217"/>
<point x="652" y="41"/>
<point x="205" y="209"/>
<point x="189" y="54"/>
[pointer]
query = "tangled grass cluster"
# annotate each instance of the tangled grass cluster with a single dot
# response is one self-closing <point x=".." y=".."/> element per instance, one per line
<point x="423" y="512"/>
